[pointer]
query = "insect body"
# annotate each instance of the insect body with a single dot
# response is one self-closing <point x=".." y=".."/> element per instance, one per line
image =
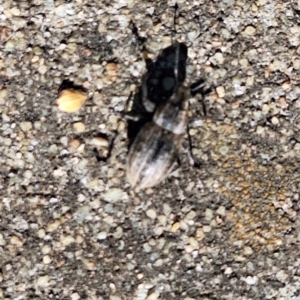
<point x="156" y="147"/>
<point x="154" y="151"/>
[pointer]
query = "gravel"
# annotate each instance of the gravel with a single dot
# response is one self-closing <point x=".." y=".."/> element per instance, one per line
<point x="71" y="226"/>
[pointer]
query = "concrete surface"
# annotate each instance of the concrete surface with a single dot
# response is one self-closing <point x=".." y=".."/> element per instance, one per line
<point x="70" y="225"/>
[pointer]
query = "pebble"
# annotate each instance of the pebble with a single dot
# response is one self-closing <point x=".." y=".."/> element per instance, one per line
<point x="217" y="59"/>
<point x="193" y="243"/>
<point x="220" y="91"/>
<point x="282" y="276"/>
<point x="71" y="101"/>
<point x="26" y="126"/>
<point x="257" y="115"/>
<point x="89" y="265"/>
<point x="175" y="227"/>
<point x="61" y="10"/>
<point x="228" y="271"/>
<point x="249" y="30"/>
<point x="296" y="64"/>
<point x="200" y="234"/>
<point x="79" y="127"/>
<point x="99" y="142"/>
<point x="118" y="233"/>
<point x="221" y="210"/>
<point x="209" y="214"/>
<point x="15" y="240"/>
<point x="82" y="212"/>
<point x="79" y="239"/>
<point x="28" y="174"/>
<point x="286" y="86"/>
<point x="275" y="121"/>
<point x="20" y="96"/>
<point x="43" y="281"/>
<point x="42" y="69"/>
<point x="46" y="260"/>
<point x="15" y="11"/>
<point x="75" y="296"/>
<point x="265" y="109"/>
<point x="167" y="209"/>
<point x="223" y="150"/>
<point x="67" y="240"/>
<point x="248" y="250"/>
<point x="2" y="240"/>
<point x="10" y="45"/>
<point x="151" y="213"/>
<point x="3" y="96"/>
<point x="46" y="249"/>
<point x="260" y="130"/>
<point x="114" y="195"/>
<point x="111" y="69"/>
<point x="52" y="226"/>
<point x="7" y="142"/>
<point x="152" y="296"/>
<point x="102" y="235"/>
<point x="250" y="280"/>
<point x="158" y="263"/>
<point x="206" y="228"/>
<point x="192" y="35"/>
<point x="75" y="144"/>
<point x="35" y="59"/>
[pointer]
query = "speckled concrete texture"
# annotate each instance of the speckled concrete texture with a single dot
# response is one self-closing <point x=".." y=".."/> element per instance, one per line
<point x="72" y="228"/>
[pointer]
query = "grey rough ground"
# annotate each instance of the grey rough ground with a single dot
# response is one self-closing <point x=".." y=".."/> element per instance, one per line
<point x="71" y="228"/>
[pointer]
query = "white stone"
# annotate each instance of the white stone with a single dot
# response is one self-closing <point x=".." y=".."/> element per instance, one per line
<point x="114" y="195"/>
<point x="102" y="235"/>
<point x="151" y="213"/>
<point x="75" y="296"/>
<point x="43" y="281"/>
<point x="26" y="126"/>
<point x="251" y="280"/>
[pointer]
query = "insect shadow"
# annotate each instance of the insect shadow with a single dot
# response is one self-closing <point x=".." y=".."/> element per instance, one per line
<point x="67" y="84"/>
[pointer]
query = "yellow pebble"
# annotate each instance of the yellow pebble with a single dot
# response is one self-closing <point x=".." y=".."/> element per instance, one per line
<point x="71" y="100"/>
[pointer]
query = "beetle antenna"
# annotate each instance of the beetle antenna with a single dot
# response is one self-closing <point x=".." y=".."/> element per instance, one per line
<point x="176" y="44"/>
<point x="175" y="16"/>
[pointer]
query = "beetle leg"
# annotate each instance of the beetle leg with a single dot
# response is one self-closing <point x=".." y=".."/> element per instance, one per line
<point x="198" y="87"/>
<point x="131" y="116"/>
<point x="128" y="114"/>
<point x="189" y="154"/>
<point x="190" y="157"/>
<point x="173" y="170"/>
<point x="129" y="102"/>
<point x="176" y="67"/>
<point x="189" y="148"/>
<point x="148" y="105"/>
<point x="113" y="150"/>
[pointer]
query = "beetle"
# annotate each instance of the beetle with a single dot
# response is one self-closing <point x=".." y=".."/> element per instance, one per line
<point x="154" y="152"/>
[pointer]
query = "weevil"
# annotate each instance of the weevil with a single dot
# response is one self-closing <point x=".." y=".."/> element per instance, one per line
<point x="156" y="148"/>
<point x="154" y="152"/>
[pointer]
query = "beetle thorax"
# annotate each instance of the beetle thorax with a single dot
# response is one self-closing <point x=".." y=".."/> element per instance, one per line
<point x="171" y="118"/>
<point x="173" y="115"/>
